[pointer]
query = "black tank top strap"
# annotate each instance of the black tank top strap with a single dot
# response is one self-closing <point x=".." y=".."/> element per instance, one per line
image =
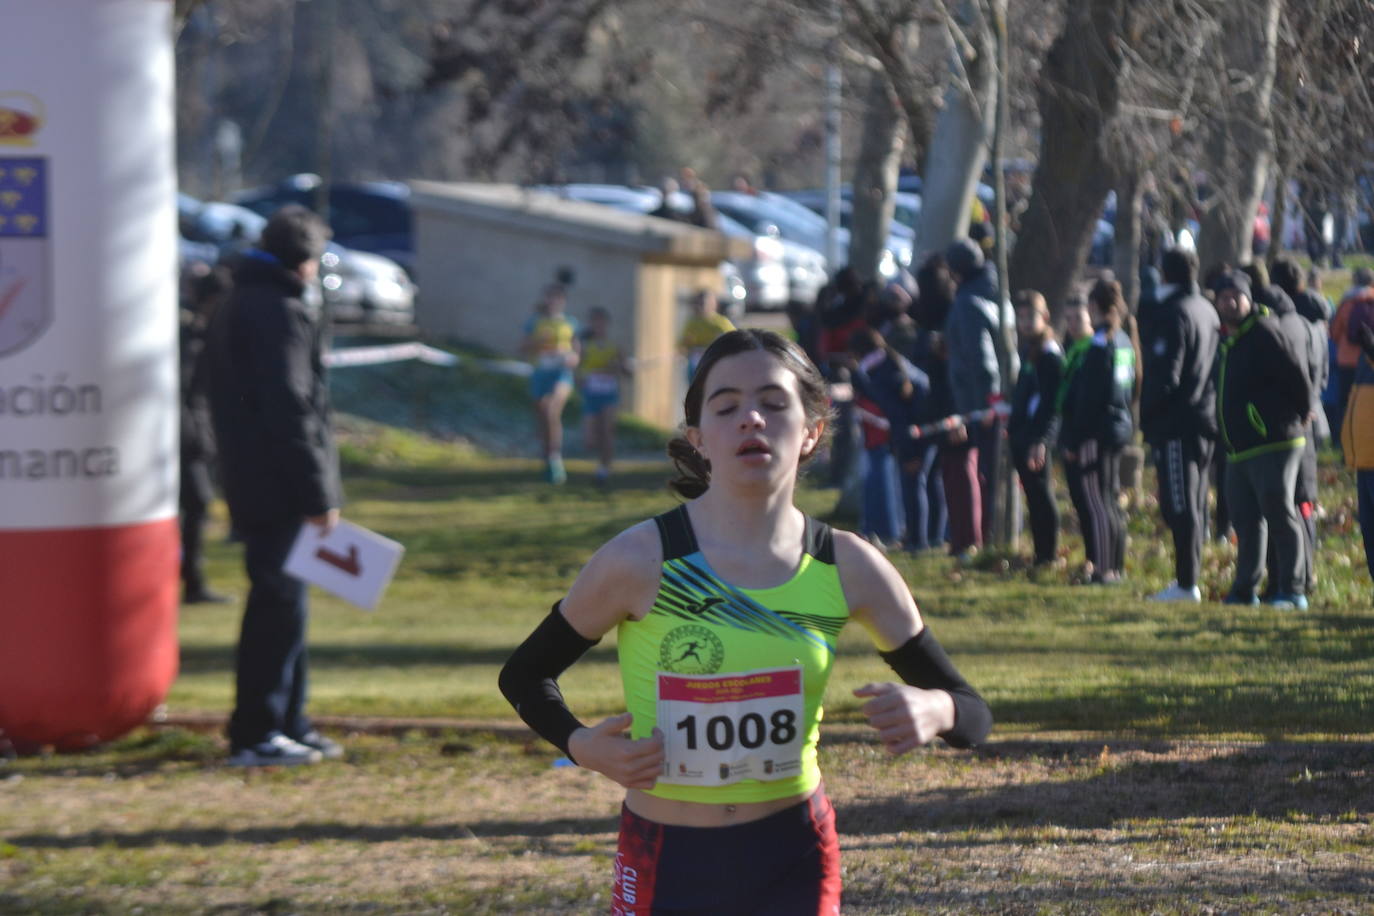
<point x="675" y="530"/>
<point x="819" y="541"/>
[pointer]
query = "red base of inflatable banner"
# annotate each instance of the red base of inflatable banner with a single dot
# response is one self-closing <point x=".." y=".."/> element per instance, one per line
<point x="88" y="641"/>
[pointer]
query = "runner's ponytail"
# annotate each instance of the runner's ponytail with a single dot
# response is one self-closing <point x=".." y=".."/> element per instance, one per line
<point x="693" y="475"/>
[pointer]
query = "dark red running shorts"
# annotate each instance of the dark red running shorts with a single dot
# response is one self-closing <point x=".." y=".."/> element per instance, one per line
<point x="787" y="864"/>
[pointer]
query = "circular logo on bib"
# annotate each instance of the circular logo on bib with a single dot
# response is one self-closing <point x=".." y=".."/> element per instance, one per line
<point x="691" y="649"/>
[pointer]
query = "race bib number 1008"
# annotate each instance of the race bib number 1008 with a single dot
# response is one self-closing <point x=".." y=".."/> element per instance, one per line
<point x="722" y="728"/>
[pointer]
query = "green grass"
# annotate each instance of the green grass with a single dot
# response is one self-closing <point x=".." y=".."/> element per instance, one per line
<point x="489" y="548"/>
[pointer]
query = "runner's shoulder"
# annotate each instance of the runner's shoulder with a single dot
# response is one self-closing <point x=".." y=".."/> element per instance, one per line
<point x="632" y="557"/>
<point x="619" y="581"/>
<point x="854" y="556"/>
<point x="873" y="588"/>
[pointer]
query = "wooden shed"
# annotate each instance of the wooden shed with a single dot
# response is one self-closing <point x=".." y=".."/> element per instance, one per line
<point x="485" y="253"/>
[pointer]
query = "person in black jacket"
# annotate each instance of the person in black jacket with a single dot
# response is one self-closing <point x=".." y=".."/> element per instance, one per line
<point x="1097" y="423"/>
<point x="1264" y="400"/>
<point x="1296" y="332"/>
<point x="279" y="468"/>
<point x="206" y="291"/>
<point x="1034" y="421"/>
<point x="1178" y="411"/>
<point x="936" y="288"/>
<point x="1078" y="338"/>
<point x="1312" y="309"/>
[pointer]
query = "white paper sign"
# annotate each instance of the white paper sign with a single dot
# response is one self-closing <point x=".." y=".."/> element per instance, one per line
<point x="351" y="562"/>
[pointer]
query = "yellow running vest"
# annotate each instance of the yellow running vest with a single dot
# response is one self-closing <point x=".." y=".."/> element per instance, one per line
<point x="733" y="677"/>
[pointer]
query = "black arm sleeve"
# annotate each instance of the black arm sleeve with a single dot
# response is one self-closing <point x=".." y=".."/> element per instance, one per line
<point x="922" y="662"/>
<point x="529" y="680"/>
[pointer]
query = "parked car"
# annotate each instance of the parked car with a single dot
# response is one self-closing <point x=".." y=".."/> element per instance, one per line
<point x="906" y="210"/>
<point x="365" y="287"/>
<point x="225" y="228"/>
<point x="355" y="285"/>
<point x="803" y="215"/>
<point x="763" y="278"/>
<point x="911" y="184"/>
<point x="370" y="216"/>
<point x="733" y="293"/>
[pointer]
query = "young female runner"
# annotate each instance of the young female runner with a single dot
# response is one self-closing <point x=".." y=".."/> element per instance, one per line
<point x="599" y="374"/>
<point x="728" y="609"/>
<point x="551" y="341"/>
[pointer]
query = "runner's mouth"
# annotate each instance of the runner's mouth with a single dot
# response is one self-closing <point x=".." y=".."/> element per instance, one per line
<point x="754" y="447"/>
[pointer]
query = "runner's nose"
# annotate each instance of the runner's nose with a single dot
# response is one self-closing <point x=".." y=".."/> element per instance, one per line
<point x="751" y="419"/>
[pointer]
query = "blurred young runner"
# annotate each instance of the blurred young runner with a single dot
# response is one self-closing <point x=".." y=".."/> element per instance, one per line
<point x="551" y="341"/>
<point x="704" y="326"/>
<point x="599" y="374"/>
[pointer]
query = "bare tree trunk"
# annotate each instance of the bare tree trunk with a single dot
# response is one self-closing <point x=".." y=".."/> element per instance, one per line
<point x="1239" y="149"/>
<point x="1079" y="97"/>
<point x="1130" y="192"/>
<point x="326" y="37"/>
<point x="958" y="147"/>
<point x="1278" y="218"/>
<point x="894" y="45"/>
<point x="1008" y="496"/>
<point x="875" y="176"/>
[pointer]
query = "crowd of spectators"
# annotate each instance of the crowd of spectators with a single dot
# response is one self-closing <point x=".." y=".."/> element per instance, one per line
<point x="1232" y="380"/>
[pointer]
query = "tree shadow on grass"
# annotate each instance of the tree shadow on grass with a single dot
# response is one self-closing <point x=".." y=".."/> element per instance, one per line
<point x="217" y="659"/>
<point x="1113" y="832"/>
<point x="1191" y="887"/>
<point x="1276" y="782"/>
<point x="512" y="476"/>
<point x="1315" y="705"/>
<point x="339" y="831"/>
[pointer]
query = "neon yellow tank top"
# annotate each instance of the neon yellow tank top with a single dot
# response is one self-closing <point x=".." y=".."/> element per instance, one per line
<point x="552" y="334"/>
<point x="736" y="675"/>
<point x="599" y="355"/>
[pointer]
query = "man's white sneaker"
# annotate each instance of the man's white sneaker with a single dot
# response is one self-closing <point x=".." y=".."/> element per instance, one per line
<point x="1177" y="593"/>
<point x="277" y="751"/>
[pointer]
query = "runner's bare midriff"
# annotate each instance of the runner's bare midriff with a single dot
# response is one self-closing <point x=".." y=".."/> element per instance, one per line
<point x="699" y="814"/>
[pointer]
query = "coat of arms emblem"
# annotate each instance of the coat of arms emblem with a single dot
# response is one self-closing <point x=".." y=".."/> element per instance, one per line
<point x="25" y="289"/>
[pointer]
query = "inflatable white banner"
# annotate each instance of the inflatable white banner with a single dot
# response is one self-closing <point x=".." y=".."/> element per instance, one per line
<point x="87" y="265"/>
<point x="88" y="369"/>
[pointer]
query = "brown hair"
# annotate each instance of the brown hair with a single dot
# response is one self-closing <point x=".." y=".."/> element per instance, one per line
<point x="865" y="340"/>
<point x="1106" y="295"/>
<point x="1033" y="299"/>
<point x="693" y="470"/>
<point x="293" y="235"/>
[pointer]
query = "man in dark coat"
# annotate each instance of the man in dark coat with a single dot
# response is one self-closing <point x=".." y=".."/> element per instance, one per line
<point x="1263" y="403"/>
<point x="1178" y="411"/>
<point x="1303" y="337"/>
<point x="279" y="469"/>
